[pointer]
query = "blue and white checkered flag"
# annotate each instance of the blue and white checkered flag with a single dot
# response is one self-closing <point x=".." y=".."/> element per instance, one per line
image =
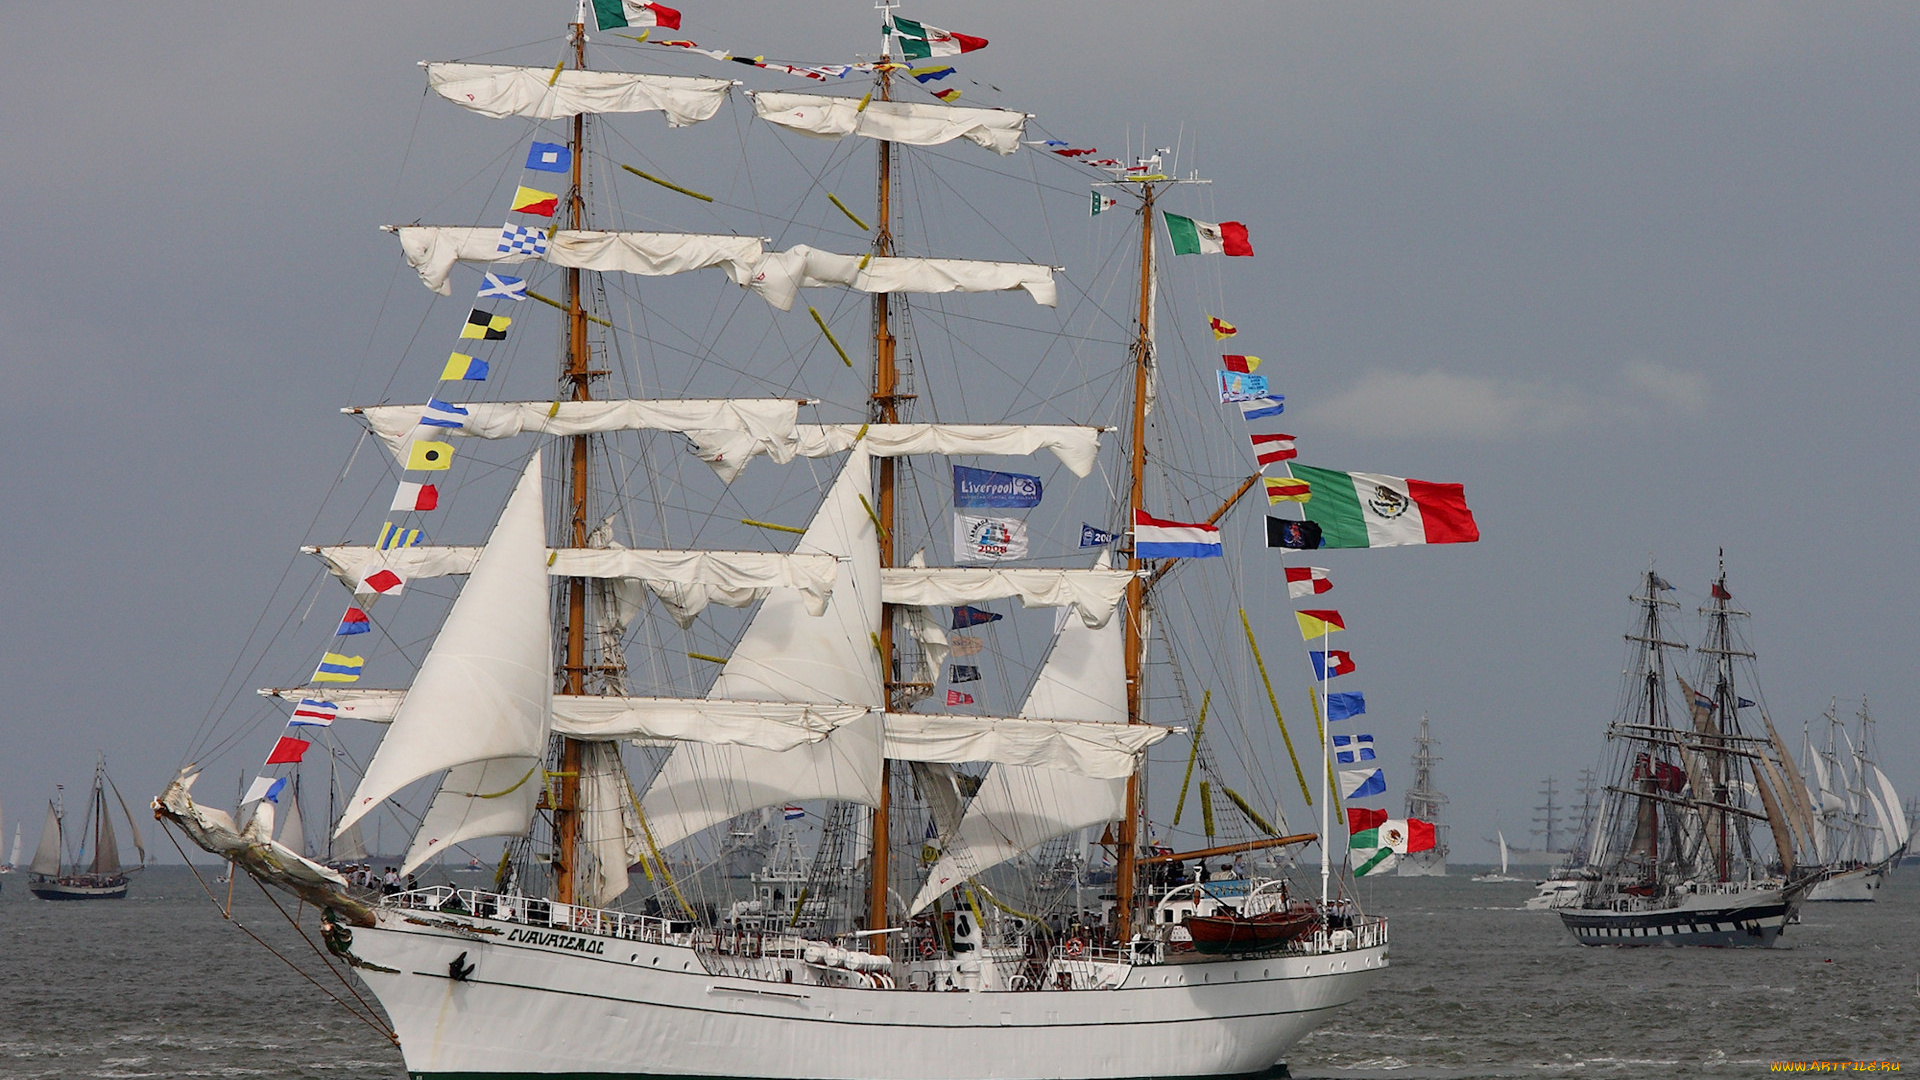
<point x="522" y="240"/>
<point x="500" y="285"/>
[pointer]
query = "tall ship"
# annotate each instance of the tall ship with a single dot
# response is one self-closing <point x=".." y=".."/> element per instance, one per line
<point x="756" y="557"/>
<point x="1425" y="802"/>
<point x="1696" y="837"/>
<point x="1860" y="830"/>
<point x="94" y="871"/>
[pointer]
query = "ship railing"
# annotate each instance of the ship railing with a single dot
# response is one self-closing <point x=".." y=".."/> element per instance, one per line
<point x="538" y="911"/>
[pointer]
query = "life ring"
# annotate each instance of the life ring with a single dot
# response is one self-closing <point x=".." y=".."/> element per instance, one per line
<point x="1075" y="947"/>
<point x="928" y="948"/>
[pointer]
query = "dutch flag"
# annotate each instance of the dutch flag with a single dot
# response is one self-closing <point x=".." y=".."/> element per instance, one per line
<point x="1157" y="539"/>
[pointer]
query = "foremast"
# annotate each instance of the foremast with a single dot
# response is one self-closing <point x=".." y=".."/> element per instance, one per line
<point x="884" y="408"/>
<point x="579" y="374"/>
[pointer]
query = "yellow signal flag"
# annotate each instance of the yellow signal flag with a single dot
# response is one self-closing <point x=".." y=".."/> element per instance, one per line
<point x="486" y="326"/>
<point x="1319" y="623"/>
<point x="430" y="456"/>
<point x="1286" y="489"/>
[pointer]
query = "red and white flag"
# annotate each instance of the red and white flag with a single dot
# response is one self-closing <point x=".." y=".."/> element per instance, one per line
<point x="1305" y="581"/>
<point x="955" y="697"/>
<point x="415" y="497"/>
<point x="1273" y="449"/>
<point x="382" y="582"/>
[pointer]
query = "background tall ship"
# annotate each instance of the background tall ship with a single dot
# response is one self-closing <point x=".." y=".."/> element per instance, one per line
<point x="646" y="663"/>
<point x="1425" y="802"/>
<point x="1860" y="830"/>
<point x="95" y="872"/>
<point x="1682" y="855"/>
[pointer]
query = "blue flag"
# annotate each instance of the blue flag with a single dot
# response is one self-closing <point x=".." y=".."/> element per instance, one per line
<point x="1092" y="537"/>
<point x="1743" y="703"/>
<point x="503" y="286"/>
<point x="984" y="487"/>
<point x="1346" y="706"/>
<point x="1360" y="783"/>
<point x="441" y="414"/>
<point x="964" y="616"/>
<point x="549" y="157"/>
<point x="1262" y="408"/>
<point x="1348" y="749"/>
<point x="964" y="673"/>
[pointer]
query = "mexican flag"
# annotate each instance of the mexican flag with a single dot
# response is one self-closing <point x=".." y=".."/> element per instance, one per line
<point x="919" y="41"/>
<point x="1357" y="510"/>
<point x="611" y="13"/>
<point x="1192" y="237"/>
<point x="1375" y="850"/>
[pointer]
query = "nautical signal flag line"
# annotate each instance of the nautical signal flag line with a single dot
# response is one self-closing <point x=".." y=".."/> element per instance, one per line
<point x="1305" y="581"/>
<point x="1318" y="623"/>
<point x="1273" y="449"/>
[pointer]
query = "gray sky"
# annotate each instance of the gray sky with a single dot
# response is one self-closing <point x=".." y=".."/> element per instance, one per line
<point x="1639" y="277"/>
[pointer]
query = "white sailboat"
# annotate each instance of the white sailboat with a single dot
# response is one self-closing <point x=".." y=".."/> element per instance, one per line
<point x="1491" y="876"/>
<point x="1861" y="831"/>
<point x="880" y="964"/>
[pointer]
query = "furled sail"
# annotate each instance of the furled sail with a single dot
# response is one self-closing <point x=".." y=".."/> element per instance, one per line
<point x="433" y="249"/>
<point x="501" y="90"/>
<point x="483" y="798"/>
<point x="1093" y="593"/>
<point x="728" y="450"/>
<point x="1019" y="807"/>
<point x="609" y="834"/>
<point x="785" y="656"/>
<point x="782" y="274"/>
<point x="1105" y="751"/>
<point x="484" y="690"/>
<point x="911" y="122"/>
<point x="768" y="419"/>
<point x="46" y="856"/>
<point x="686" y="581"/>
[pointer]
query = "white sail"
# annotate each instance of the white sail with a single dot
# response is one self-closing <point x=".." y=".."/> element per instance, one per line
<point x="495" y="797"/>
<point x="46" y="856"/>
<point x="784" y="656"/>
<point x="913" y="123"/>
<point x="686" y="581"/>
<point x="293" y="832"/>
<point x="1503" y="851"/>
<point x="759" y="418"/>
<point x="433" y="249"/>
<point x="500" y="90"/>
<point x="1898" y="831"/>
<point x="1102" y="750"/>
<point x="728" y="450"/>
<point x="1092" y="593"/>
<point x="608" y="840"/>
<point x="1019" y="807"/>
<point x="781" y="275"/>
<point x="484" y="689"/>
<point x="13" y="857"/>
<point x="106" y="851"/>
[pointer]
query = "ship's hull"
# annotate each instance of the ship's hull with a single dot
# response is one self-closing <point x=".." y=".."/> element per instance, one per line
<point x="56" y="889"/>
<point x="1859" y="885"/>
<point x="566" y="1004"/>
<point x="1753" y="919"/>
<point x="1422" y="864"/>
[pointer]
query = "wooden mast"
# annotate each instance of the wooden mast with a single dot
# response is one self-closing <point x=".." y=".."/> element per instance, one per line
<point x="1127" y="840"/>
<point x="883" y="410"/>
<point x="566" y="808"/>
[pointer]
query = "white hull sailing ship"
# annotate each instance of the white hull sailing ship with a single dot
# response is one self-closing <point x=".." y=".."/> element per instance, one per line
<point x="1861" y="829"/>
<point x="96" y="873"/>
<point x="1677" y="857"/>
<point x="924" y="967"/>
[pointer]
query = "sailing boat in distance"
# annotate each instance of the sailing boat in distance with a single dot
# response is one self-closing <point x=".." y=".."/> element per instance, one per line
<point x="95" y="873"/>
<point x="1490" y="876"/>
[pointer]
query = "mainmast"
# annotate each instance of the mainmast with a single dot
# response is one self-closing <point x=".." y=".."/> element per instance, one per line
<point x="578" y="371"/>
<point x="1135" y="625"/>
<point x="883" y="409"/>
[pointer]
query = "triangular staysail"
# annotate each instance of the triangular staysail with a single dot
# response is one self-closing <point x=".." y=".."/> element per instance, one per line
<point x="788" y="655"/>
<point x="484" y="691"/>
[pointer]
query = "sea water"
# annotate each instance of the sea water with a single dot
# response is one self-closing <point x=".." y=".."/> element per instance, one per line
<point x="161" y="985"/>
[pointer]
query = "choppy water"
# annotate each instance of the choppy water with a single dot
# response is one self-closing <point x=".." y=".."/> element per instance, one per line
<point x="159" y="986"/>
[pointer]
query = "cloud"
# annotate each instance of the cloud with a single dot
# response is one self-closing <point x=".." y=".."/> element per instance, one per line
<point x="1669" y="390"/>
<point x="1440" y="404"/>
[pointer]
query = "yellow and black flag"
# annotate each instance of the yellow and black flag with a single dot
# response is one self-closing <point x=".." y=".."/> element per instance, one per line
<point x="486" y="326"/>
